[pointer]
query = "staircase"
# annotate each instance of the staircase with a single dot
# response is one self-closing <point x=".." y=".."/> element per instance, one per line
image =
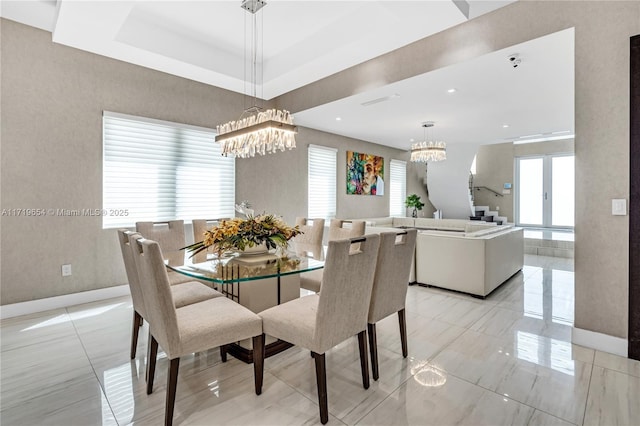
<point x="484" y="214"/>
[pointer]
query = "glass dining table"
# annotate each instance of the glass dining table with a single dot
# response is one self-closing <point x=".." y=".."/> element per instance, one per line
<point x="257" y="282"/>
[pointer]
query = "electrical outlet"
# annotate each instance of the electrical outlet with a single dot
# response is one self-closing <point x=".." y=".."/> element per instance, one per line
<point x="66" y="270"/>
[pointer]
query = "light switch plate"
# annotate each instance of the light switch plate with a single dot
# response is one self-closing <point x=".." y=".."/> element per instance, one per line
<point x="619" y="207"/>
<point x="66" y="270"/>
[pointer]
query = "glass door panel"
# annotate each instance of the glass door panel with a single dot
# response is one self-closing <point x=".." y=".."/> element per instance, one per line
<point x="545" y="191"/>
<point x="530" y="191"/>
<point x="562" y="190"/>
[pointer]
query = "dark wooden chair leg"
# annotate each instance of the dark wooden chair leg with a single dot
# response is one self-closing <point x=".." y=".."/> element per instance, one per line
<point x="403" y="331"/>
<point x="258" y="362"/>
<point x="223" y="353"/>
<point x="172" y="384"/>
<point x="373" y="350"/>
<point x="137" y="322"/>
<point x="364" y="364"/>
<point x="151" y="363"/>
<point x="321" y="379"/>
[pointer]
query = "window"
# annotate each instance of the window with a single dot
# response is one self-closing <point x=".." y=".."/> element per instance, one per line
<point x="322" y="182"/>
<point x="397" y="187"/>
<point x="545" y="190"/>
<point x="156" y="171"/>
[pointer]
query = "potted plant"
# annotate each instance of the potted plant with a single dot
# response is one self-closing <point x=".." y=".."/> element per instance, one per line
<point x="413" y="201"/>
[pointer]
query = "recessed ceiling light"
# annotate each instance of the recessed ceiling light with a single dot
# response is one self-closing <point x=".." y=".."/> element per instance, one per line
<point x="504" y="126"/>
<point x="452" y="90"/>
<point x="338" y="118"/>
<point x="412" y="140"/>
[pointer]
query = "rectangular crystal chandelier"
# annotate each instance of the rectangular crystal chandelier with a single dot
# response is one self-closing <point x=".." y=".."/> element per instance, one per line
<point x="256" y="131"/>
<point x="263" y="132"/>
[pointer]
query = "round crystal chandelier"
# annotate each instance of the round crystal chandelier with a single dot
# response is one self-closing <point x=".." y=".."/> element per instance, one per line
<point x="428" y="150"/>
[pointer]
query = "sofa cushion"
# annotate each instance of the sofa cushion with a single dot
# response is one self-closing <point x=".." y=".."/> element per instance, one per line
<point x="442" y="224"/>
<point x="403" y="221"/>
<point x="488" y="231"/>
<point x="473" y="227"/>
<point x="379" y="221"/>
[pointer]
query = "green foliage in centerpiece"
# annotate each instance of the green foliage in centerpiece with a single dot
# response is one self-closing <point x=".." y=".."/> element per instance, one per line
<point x="238" y="234"/>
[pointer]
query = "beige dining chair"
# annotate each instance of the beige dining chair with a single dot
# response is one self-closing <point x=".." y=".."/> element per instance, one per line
<point x="309" y="242"/>
<point x="192" y="328"/>
<point x="321" y="321"/>
<point x="170" y="237"/>
<point x="183" y="293"/>
<point x="338" y="229"/>
<point x="200" y="226"/>
<point x="390" y="287"/>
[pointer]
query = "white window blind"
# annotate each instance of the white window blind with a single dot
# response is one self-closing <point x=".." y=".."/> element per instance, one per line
<point x="322" y="182"/>
<point x="397" y="187"/>
<point x="157" y="171"/>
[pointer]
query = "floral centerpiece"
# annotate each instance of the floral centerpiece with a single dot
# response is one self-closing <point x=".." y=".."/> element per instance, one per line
<point x="240" y="234"/>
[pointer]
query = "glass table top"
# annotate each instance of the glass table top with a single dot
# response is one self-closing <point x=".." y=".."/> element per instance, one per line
<point x="235" y="268"/>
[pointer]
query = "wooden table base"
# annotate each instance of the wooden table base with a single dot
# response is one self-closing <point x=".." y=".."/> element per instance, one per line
<point x="246" y="355"/>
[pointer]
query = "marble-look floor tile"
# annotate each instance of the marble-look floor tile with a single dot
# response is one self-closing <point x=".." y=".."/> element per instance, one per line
<point x="44" y="327"/>
<point x="501" y="322"/>
<point x="428" y="340"/>
<point x="541" y="372"/>
<point x="535" y="302"/>
<point x="33" y="371"/>
<point x="104" y="327"/>
<point x="428" y="329"/>
<point x="541" y="418"/>
<point x="617" y="363"/>
<point x="613" y="399"/>
<point x="234" y="402"/>
<point x="344" y="379"/>
<point x="459" y="311"/>
<point x="82" y="402"/>
<point x="448" y="401"/>
<point x="125" y="386"/>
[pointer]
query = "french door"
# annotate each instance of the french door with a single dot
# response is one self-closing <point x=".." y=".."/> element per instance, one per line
<point x="545" y="187"/>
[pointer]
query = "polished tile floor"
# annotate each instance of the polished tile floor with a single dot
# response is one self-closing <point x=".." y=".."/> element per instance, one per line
<point x="504" y="360"/>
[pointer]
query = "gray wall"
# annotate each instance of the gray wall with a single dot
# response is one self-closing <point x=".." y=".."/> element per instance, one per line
<point x="602" y="32"/>
<point x="51" y="111"/>
<point x="495" y="167"/>
<point x="52" y="102"/>
<point x="278" y="183"/>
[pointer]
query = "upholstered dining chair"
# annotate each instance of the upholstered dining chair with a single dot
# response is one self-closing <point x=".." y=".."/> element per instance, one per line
<point x="390" y="287"/>
<point x="183" y="293"/>
<point x="338" y="230"/>
<point x="321" y="321"/>
<point x="310" y="241"/>
<point x="192" y="328"/>
<point x="170" y="236"/>
<point x="200" y="226"/>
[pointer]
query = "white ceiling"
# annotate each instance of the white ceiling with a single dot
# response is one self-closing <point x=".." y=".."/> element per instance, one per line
<point x="303" y="41"/>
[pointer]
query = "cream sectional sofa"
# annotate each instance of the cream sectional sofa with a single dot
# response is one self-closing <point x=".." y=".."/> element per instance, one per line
<point x="460" y="255"/>
<point x="475" y="262"/>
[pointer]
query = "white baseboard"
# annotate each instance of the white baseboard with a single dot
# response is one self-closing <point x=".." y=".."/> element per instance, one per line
<point x="49" y="303"/>
<point x="602" y="342"/>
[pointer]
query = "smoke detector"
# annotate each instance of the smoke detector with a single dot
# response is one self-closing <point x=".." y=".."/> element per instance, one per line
<point x="514" y="59"/>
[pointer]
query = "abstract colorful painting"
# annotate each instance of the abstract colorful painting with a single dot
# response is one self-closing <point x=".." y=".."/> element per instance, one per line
<point x="365" y="174"/>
